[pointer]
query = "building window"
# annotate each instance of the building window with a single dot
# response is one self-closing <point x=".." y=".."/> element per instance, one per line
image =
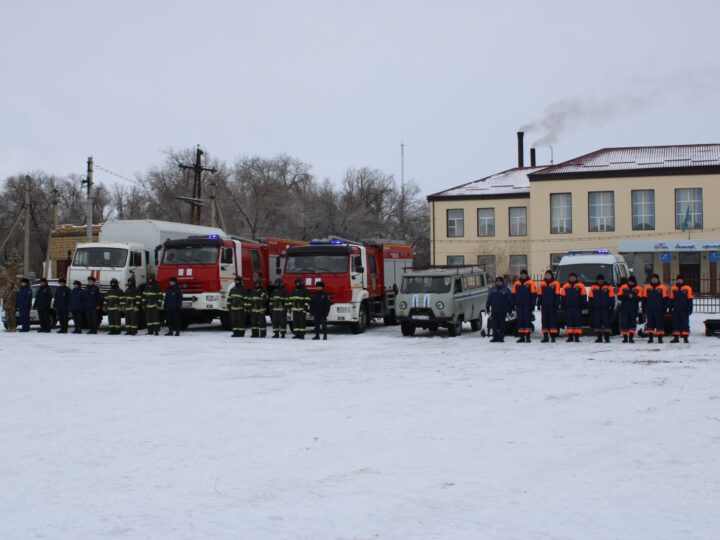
<point x="688" y="209"/>
<point x="560" y="213"/>
<point x="455" y="260"/>
<point x="487" y="263"/>
<point x="602" y="211"/>
<point x="555" y="260"/>
<point x="643" y="210"/>
<point x="517" y="264"/>
<point x="518" y="221"/>
<point x="486" y="221"/>
<point x="455" y="223"/>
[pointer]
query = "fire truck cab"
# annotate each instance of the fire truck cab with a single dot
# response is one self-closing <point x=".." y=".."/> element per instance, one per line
<point x="362" y="279"/>
<point x="206" y="267"/>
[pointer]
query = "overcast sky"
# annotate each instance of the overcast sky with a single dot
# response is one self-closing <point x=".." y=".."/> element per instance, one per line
<point x="340" y="83"/>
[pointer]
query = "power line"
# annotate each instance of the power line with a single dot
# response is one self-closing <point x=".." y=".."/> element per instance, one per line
<point x="114" y="173"/>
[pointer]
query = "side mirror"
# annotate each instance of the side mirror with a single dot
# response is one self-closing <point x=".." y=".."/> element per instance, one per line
<point x="359" y="269"/>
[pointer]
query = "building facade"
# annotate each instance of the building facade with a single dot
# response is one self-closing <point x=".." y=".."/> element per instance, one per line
<point x="658" y="206"/>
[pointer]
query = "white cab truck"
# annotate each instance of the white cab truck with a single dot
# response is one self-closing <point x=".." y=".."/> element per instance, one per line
<point x="128" y="248"/>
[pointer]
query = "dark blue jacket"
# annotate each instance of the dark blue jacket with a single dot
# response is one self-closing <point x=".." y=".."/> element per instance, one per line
<point x="499" y="300"/>
<point x="524" y="293"/>
<point x="549" y="294"/>
<point x="630" y="298"/>
<point x="681" y="299"/>
<point x="602" y="297"/>
<point x="61" y="301"/>
<point x="574" y="295"/>
<point x="43" y="298"/>
<point x="320" y="305"/>
<point x="23" y="300"/>
<point x="76" y="299"/>
<point x="91" y="297"/>
<point x="655" y="297"/>
<point x="173" y="297"/>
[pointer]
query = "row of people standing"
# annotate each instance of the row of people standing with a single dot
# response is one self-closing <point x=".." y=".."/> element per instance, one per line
<point x="253" y="305"/>
<point x="573" y="297"/>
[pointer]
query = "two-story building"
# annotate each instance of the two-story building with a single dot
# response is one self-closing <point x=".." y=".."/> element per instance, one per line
<point x="659" y="206"/>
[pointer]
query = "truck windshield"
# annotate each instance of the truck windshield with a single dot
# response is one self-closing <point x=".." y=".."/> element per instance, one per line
<point x="426" y="284"/>
<point x="100" y="256"/>
<point x="190" y="255"/>
<point x="586" y="273"/>
<point x="318" y="264"/>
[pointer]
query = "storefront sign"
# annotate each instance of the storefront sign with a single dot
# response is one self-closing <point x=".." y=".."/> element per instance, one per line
<point x="713" y="257"/>
<point x="668" y="246"/>
<point x="666" y="258"/>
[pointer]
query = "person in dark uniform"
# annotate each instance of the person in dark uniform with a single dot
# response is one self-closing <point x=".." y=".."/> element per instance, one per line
<point x="91" y="304"/>
<point x="655" y="303"/>
<point x="320" y="309"/>
<point x="23" y="303"/>
<point x="548" y="302"/>
<point x="133" y="298"/>
<point x="681" y="307"/>
<point x="279" y="304"/>
<point x="238" y="304"/>
<point x="152" y="300"/>
<point x="601" y="302"/>
<point x="573" y="300"/>
<point x="114" y="303"/>
<point x="172" y="306"/>
<point x="300" y="302"/>
<point x="630" y="295"/>
<point x="43" y="301"/>
<point x="61" y="304"/>
<point x="258" y="310"/>
<point x="498" y="305"/>
<point x="76" y="306"/>
<point x="524" y="298"/>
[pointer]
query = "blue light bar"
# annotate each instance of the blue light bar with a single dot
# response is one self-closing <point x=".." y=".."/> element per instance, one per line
<point x="602" y="251"/>
<point x="589" y="252"/>
<point x="316" y="242"/>
<point x="336" y="242"/>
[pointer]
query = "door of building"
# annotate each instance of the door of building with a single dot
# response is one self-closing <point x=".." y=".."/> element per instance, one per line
<point x="690" y="269"/>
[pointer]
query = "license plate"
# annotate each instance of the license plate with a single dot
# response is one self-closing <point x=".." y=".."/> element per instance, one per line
<point x="187" y="304"/>
<point x="421" y="317"/>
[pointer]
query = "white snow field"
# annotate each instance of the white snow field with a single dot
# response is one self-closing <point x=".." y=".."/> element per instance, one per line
<point x="374" y="436"/>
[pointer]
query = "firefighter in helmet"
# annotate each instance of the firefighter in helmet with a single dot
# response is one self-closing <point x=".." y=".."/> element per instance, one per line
<point x="279" y="304"/>
<point x="300" y="302"/>
<point x="238" y="305"/>
<point x="258" y="309"/>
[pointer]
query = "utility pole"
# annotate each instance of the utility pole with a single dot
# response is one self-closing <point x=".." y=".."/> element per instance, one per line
<point x="213" y="208"/>
<point x="89" y="182"/>
<point x="402" y="188"/>
<point x="198" y="169"/>
<point x="26" y="246"/>
<point x="48" y="260"/>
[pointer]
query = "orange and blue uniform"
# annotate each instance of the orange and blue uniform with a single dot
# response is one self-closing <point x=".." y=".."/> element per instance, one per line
<point x="681" y="306"/>
<point x="524" y="294"/>
<point x="574" y="299"/>
<point x="602" y="302"/>
<point x="549" y="294"/>
<point x="654" y="300"/>
<point x="630" y="297"/>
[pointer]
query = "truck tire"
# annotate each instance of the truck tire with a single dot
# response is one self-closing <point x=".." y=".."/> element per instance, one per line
<point x="476" y="324"/>
<point x="455" y="330"/>
<point x="390" y="319"/>
<point x="362" y="322"/>
<point x="407" y="329"/>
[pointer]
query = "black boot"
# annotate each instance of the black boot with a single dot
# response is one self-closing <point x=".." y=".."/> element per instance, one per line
<point x="686" y="339"/>
<point x="607" y="337"/>
<point x="527" y="338"/>
<point x="325" y="338"/>
<point x="599" y="337"/>
<point x="521" y="339"/>
<point x="177" y="333"/>
<point x="570" y="338"/>
<point x="276" y="335"/>
<point x="660" y="339"/>
<point x="631" y="339"/>
<point x="157" y="332"/>
<point x="317" y="336"/>
<point x="282" y="336"/>
<point x="675" y="339"/>
<point x="552" y="338"/>
<point x="625" y="338"/>
<point x="651" y="338"/>
<point x="577" y="338"/>
<point x="170" y="333"/>
<point x="545" y="338"/>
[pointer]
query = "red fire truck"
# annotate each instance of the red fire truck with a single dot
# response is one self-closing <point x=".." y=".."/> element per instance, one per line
<point x="206" y="267"/>
<point x="361" y="278"/>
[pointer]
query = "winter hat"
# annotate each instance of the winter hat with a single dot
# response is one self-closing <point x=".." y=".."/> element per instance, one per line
<point x="25" y="280"/>
<point x="523" y="271"/>
<point x="599" y="277"/>
<point x="90" y="278"/>
<point x="62" y="280"/>
<point x="572" y="274"/>
<point x="654" y="276"/>
<point x="679" y="278"/>
<point x="632" y="279"/>
<point x="172" y="280"/>
<point x="76" y="282"/>
<point x="500" y="279"/>
<point x="113" y="281"/>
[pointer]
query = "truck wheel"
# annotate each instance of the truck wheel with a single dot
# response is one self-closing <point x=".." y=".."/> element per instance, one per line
<point x="407" y="329"/>
<point x="390" y="319"/>
<point x="362" y="322"/>
<point x="455" y="330"/>
<point x="476" y="324"/>
<point x="225" y="321"/>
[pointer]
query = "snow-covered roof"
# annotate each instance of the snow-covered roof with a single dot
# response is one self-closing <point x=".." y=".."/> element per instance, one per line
<point x="511" y="182"/>
<point x="635" y="161"/>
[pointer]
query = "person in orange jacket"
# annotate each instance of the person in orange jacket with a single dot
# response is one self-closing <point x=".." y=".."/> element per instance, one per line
<point x="681" y="307"/>
<point x="602" y="303"/>
<point x="548" y="301"/>
<point x="654" y="302"/>
<point x="524" y="297"/>
<point x="630" y="294"/>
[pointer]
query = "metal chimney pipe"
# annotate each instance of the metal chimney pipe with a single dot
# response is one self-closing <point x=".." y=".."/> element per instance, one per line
<point x="521" y="149"/>
<point x="532" y="157"/>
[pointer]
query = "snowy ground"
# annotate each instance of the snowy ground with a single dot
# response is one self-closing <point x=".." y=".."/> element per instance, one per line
<point x="373" y="436"/>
